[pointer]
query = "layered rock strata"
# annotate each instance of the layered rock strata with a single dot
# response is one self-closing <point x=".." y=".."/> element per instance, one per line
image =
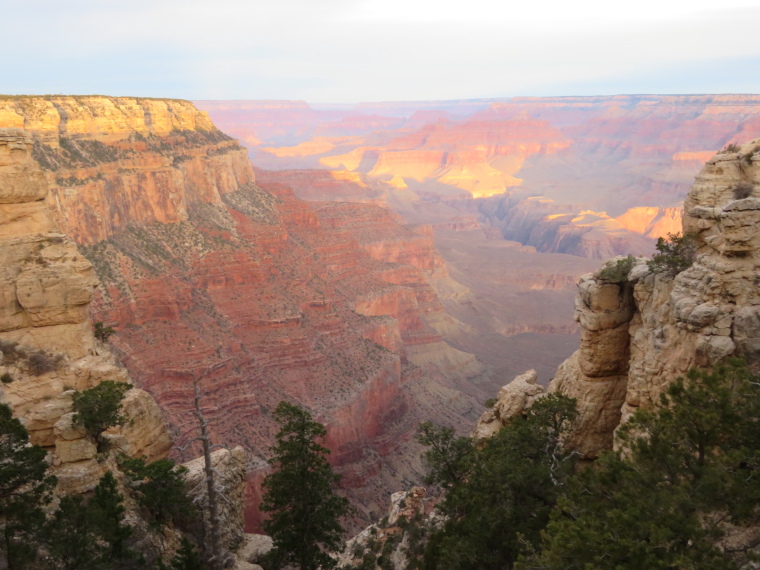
<point x="203" y="271"/>
<point x="46" y="342"/>
<point x="641" y="330"/>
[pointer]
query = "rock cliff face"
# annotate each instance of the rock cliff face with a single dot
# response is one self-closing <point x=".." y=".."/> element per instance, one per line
<point x="47" y="349"/>
<point x="642" y="330"/>
<point x="327" y="305"/>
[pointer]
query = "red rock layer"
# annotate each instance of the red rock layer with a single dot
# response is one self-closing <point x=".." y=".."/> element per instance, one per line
<point x="268" y="298"/>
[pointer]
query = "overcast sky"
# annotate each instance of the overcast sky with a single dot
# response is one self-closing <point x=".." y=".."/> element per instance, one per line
<point x="373" y="50"/>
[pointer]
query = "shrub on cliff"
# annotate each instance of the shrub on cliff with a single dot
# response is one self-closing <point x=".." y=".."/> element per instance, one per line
<point x="675" y="254"/>
<point x="687" y="471"/>
<point x="743" y="190"/>
<point x="102" y="332"/>
<point x="99" y="408"/>
<point x="617" y="272"/>
<point x="304" y="512"/>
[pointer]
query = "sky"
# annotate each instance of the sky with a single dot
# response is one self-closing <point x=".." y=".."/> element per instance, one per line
<point x="346" y="51"/>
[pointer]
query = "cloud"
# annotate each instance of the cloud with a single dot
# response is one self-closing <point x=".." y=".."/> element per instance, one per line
<point x="351" y="50"/>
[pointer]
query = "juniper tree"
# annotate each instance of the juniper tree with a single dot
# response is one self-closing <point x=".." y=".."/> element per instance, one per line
<point x="99" y="408"/>
<point x="304" y="512"/>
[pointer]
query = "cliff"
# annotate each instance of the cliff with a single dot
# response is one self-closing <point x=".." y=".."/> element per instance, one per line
<point x="201" y="267"/>
<point x="46" y="340"/>
<point x="642" y="329"/>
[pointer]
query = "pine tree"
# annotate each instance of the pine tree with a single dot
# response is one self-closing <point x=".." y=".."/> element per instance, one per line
<point x="107" y="514"/>
<point x="304" y="512"/>
<point x="83" y="535"/>
<point x="685" y="470"/>
<point x="99" y="408"/>
<point x="24" y="487"/>
<point x="499" y="494"/>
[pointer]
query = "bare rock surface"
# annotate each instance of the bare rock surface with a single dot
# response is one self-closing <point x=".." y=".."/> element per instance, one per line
<point x="513" y="399"/>
<point x="640" y="334"/>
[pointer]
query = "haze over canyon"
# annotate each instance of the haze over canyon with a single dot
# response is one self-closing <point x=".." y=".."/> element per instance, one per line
<point x="380" y="264"/>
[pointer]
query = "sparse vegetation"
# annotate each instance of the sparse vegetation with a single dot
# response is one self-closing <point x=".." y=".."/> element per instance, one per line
<point x="99" y="408"/>
<point x="743" y="190"/>
<point x="732" y="147"/>
<point x="490" y="403"/>
<point x="6" y="378"/>
<point x="102" y="332"/>
<point x="38" y="362"/>
<point x="675" y="254"/>
<point x="617" y="272"/>
<point x="41" y="362"/>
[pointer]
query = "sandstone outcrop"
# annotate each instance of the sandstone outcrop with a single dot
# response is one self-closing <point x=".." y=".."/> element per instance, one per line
<point x="388" y="538"/>
<point x="230" y="472"/>
<point x="47" y="346"/>
<point x="642" y="330"/>
<point x="512" y="400"/>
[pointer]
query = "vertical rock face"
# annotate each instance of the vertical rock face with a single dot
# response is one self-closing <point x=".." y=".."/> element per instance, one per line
<point x="47" y="349"/>
<point x="112" y="162"/>
<point x="646" y="329"/>
<point x="326" y="305"/>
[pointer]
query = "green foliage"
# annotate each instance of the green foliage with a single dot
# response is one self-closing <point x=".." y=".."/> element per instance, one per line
<point x="304" y="513"/>
<point x="90" y="534"/>
<point x="687" y="469"/>
<point x="24" y="487"/>
<point x="449" y="458"/>
<point x="617" y="272"/>
<point x="732" y="147"/>
<point x="500" y="494"/>
<point x="187" y="557"/>
<point x="71" y="538"/>
<point x="490" y="402"/>
<point x="106" y="514"/>
<point x="676" y="254"/>
<point x="99" y="408"/>
<point x="102" y="332"/>
<point x="6" y="378"/>
<point x="160" y="488"/>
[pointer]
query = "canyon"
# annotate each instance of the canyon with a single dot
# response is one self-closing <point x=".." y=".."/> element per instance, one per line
<point x="647" y="324"/>
<point x="550" y="185"/>
<point x="206" y="272"/>
<point x="380" y="265"/>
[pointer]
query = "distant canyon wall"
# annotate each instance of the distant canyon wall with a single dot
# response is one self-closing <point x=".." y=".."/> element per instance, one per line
<point x="591" y="162"/>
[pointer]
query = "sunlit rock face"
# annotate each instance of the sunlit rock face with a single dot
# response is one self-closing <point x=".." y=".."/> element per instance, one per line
<point x="201" y="270"/>
<point x="644" y="330"/>
<point x="608" y="156"/>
